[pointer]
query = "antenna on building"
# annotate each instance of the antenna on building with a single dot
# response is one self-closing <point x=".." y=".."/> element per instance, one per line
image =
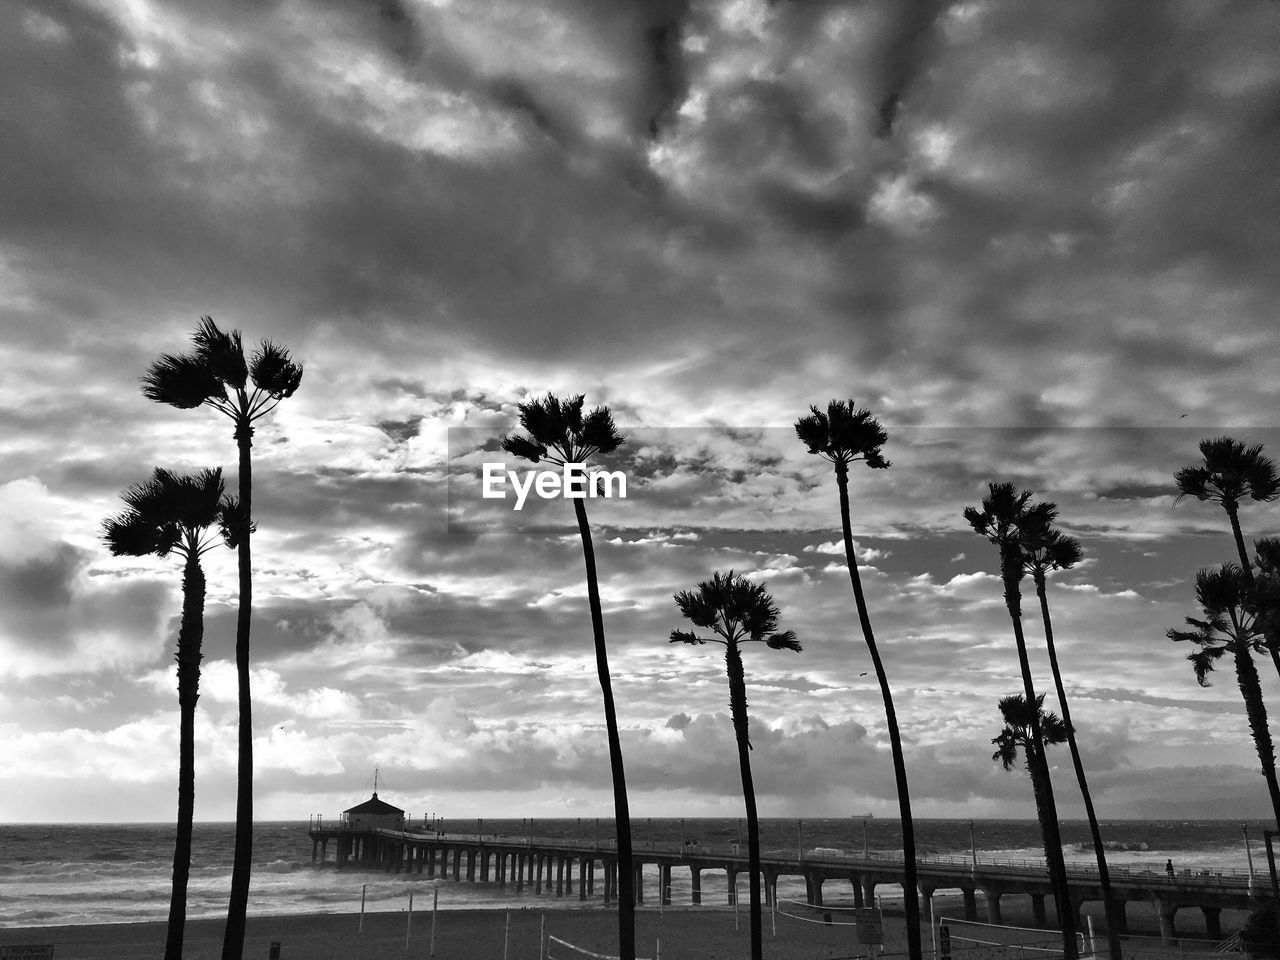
<point x="375" y="781"/>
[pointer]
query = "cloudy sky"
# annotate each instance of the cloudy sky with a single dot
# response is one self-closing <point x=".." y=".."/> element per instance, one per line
<point x="1038" y="240"/>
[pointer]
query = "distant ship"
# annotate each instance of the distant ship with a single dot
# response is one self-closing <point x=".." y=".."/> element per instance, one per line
<point x="864" y="816"/>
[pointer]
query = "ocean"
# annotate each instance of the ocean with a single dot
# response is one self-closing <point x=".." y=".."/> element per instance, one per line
<point x="106" y="873"/>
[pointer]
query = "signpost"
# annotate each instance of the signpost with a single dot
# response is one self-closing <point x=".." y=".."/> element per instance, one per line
<point x="870" y="925"/>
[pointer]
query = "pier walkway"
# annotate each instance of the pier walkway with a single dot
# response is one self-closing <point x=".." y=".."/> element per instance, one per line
<point x="549" y="864"/>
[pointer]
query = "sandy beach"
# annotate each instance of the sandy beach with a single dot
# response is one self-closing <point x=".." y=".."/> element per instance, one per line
<point x="708" y="934"/>
<point x="684" y="933"/>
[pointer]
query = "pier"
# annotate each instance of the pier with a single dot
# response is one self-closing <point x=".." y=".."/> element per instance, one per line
<point x="566" y="867"/>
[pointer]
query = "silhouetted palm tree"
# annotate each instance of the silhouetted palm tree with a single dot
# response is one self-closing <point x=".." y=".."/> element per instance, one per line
<point x="216" y="374"/>
<point x="1043" y="549"/>
<point x="843" y="435"/>
<point x="1231" y="471"/>
<point x="1029" y="731"/>
<point x="1230" y="627"/>
<point x="559" y="433"/>
<point x="172" y="514"/>
<point x="738" y="611"/>
<point x="1005" y="512"/>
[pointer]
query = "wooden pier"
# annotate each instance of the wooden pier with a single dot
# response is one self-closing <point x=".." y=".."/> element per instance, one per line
<point x="563" y="866"/>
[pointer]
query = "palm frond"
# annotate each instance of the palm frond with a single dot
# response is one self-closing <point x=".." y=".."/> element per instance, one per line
<point x="1202" y="662"/>
<point x="1192" y="482"/>
<point x="181" y="381"/>
<point x="814" y="432"/>
<point x="222" y="353"/>
<point x="700" y="608"/>
<point x="128" y="535"/>
<point x="783" y="641"/>
<point x="599" y="433"/>
<point x="1006" y="749"/>
<point x="685" y="636"/>
<point x="234" y="522"/>
<point x="273" y="371"/>
<point x="524" y="447"/>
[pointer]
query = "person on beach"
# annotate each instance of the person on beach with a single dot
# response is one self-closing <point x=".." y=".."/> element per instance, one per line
<point x="1168" y="868"/>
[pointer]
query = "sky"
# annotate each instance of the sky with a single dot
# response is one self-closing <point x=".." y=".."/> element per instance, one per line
<point x="1037" y="240"/>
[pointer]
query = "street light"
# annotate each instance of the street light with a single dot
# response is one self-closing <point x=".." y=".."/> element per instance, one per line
<point x="973" y="847"/>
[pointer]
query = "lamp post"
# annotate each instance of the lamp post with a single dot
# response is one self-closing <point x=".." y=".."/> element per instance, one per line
<point x="973" y="847"/>
<point x="866" y="850"/>
<point x="1244" y="832"/>
<point x="799" y="839"/>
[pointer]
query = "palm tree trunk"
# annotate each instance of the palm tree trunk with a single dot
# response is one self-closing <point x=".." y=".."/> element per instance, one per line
<point x="1104" y="875"/>
<point x="622" y="813"/>
<point x="738" y="710"/>
<point x="1010" y="571"/>
<point x="237" y="906"/>
<point x="910" y="888"/>
<point x="190" y="636"/>
<point x="1251" y="689"/>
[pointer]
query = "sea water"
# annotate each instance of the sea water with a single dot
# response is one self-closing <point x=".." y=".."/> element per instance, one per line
<point x="73" y="873"/>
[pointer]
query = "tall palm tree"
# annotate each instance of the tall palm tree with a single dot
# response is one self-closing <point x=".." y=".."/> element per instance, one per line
<point x="1044" y="549"/>
<point x="738" y="611"/>
<point x="216" y="374"/>
<point x="1005" y="512"/>
<point x="559" y="433"/>
<point x="172" y="514"/>
<point x="844" y="434"/>
<point x="1229" y="626"/>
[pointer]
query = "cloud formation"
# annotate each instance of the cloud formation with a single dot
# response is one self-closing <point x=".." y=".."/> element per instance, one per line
<point x="1036" y="241"/>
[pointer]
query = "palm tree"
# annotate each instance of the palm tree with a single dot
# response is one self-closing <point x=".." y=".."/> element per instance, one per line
<point x="1004" y="513"/>
<point x="738" y="611"/>
<point x="1231" y="471"/>
<point x="172" y="514"/>
<point x="217" y="375"/>
<point x="1229" y="626"/>
<point x="1029" y="731"/>
<point x="1043" y="549"/>
<point x="843" y="435"/>
<point x="559" y="433"/>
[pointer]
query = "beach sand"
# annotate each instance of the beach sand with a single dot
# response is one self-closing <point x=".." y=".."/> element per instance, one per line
<point x="686" y="933"/>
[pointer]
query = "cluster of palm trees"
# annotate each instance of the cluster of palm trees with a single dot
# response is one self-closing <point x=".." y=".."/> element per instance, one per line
<point x="736" y="611"/>
<point x="1240" y="602"/>
<point x="171" y="513"/>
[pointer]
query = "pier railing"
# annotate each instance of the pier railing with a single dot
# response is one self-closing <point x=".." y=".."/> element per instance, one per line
<point x="1134" y="872"/>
